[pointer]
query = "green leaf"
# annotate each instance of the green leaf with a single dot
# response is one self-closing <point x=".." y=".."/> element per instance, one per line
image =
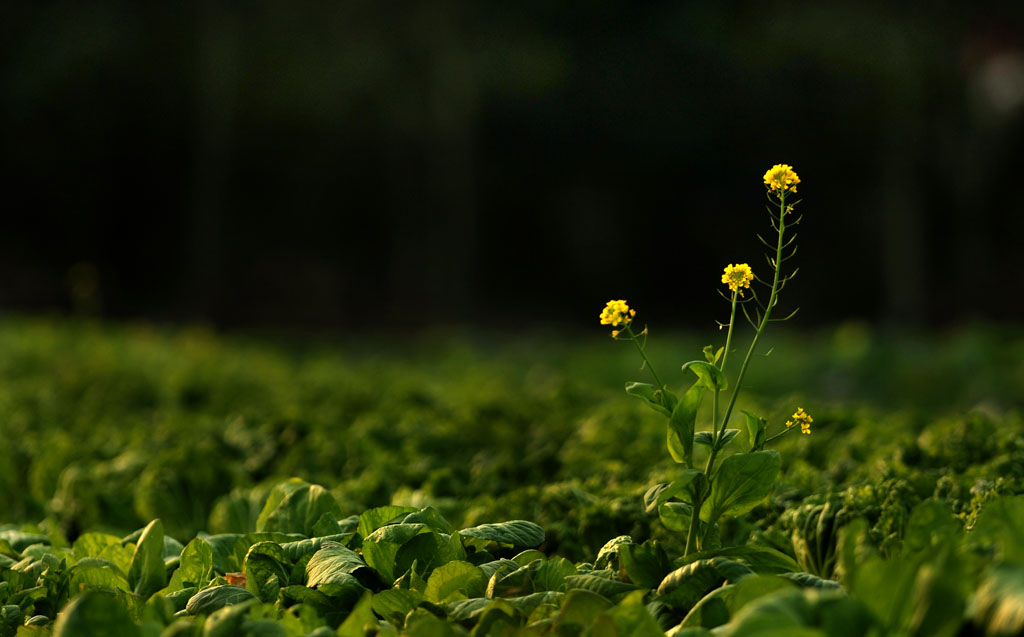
<point x="361" y="621"/>
<point x="93" y="572"/>
<point x="742" y="482"/>
<point x="380" y="548"/>
<point x="999" y="526"/>
<point x="228" y="551"/>
<point x="295" y="550"/>
<point x="610" y="550"/>
<point x="711" y="355"/>
<point x="265" y="570"/>
<point x="997" y="604"/>
<point x="276" y="496"/>
<point x="931" y="526"/>
<point x="675" y="446"/>
<point x="432" y="518"/>
<point x="632" y="618"/>
<point x="691" y="483"/>
<point x="610" y="589"/>
<point x="454" y="581"/>
<point x="93" y="544"/>
<point x="429" y="550"/>
<point x="755" y="587"/>
<point x="710" y="376"/>
<point x="676" y="517"/>
<point x="228" y="621"/>
<point x="147" y="573"/>
<point x="757" y="431"/>
<point x="806" y="580"/>
<point x="682" y="422"/>
<point x="95" y="614"/>
<point x="707" y="438"/>
<point x="20" y="540"/>
<point x="712" y="610"/>
<point x="525" y="557"/>
<point x="579" y="607"/>
<point x="492" y="567"/>
<point x="326" y="525"/>
<point x="210" y="599"/>
<point x="779" y="614"/>
<point x="373" y="519"/>
<point x="331" y="563"/>
<point x="656" y="399"/>
<point x="509" y="582"/>
<point x="761" y="559"/>
<point x="299" y="511"/>
<point x="518" y="533"/>
<point x="550" y="575"/>
<point x="646" y="564"/>
<point x="685" y="586"/>
<point x="195" y="567"/>
<point x="394" y="604"/>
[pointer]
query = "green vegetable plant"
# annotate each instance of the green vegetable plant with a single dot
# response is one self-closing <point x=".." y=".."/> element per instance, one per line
<point x="727" y="485"/>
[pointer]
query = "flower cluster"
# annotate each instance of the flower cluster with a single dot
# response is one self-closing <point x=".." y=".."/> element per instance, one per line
<point x="781" y="177"/>
<point x="801" y="418"/>
<point x="738" y="276"/>
<point x="617" y="313"/>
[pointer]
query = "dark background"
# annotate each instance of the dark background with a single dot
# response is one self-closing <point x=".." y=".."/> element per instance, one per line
<point x="344" y="164"/>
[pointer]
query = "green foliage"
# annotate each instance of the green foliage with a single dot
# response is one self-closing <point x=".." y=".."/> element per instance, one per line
<point x="743" y="481"/>
<point x="894" y="521"/>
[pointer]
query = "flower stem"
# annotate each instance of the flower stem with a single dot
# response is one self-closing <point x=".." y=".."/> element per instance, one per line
<point x="709" y="469"/>
<point x="694" y="530"/>
<point x="643" y="355"/>
<point x="764" y="320"/>
<point x="728" y="336"/>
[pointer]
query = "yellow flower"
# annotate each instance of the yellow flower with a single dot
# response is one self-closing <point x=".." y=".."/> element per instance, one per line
<point x="738" y="276"/>
<point x="617" y="313"/>
<point x="781" y="177"/>
<point x="802" y="418"/>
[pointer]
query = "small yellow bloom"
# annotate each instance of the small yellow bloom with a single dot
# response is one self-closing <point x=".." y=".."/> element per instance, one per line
<point x="617" y="313"/>
<point x="615" y="333"/>
<point x="738" y="276"/>
<point x="781" y="177"/>
<point x="802" y="418"/>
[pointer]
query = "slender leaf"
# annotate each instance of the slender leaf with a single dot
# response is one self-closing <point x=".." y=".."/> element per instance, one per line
<point x="757" y="431"/>
<point x="683" y="420"/>
<point x="147" y="573"/>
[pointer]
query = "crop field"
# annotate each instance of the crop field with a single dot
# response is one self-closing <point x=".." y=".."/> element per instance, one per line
<point x="177" y="482"/>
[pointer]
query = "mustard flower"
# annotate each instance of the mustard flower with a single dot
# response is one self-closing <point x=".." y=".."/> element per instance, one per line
<point x="738" y="276"/>
<point x="781" y="177"/>
<point x="617" y="313"/>
<point x="801" y="418"/>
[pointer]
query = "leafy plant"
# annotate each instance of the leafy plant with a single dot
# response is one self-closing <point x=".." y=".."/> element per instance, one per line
<point x="743" y="480"/>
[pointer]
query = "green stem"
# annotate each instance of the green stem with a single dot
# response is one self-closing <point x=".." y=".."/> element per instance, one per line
<point x="778" y="435"/>
<point x="716" y="434"/>
<point x="728" y="336"/>
<point x="708" y="471"/>
<point x="767" y="313"/>
<point x="643" y="355"/>
<point x="694" y="530"/>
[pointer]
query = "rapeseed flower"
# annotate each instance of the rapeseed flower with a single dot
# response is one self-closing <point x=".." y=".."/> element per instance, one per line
<point x="802" y="418"/>
<point x="617" y="313"/>
<point x="738" y="276"/>
<point x="781" y="177"/>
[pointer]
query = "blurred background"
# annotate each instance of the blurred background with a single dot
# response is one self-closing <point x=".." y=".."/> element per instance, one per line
<point x="326" y="165"/>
